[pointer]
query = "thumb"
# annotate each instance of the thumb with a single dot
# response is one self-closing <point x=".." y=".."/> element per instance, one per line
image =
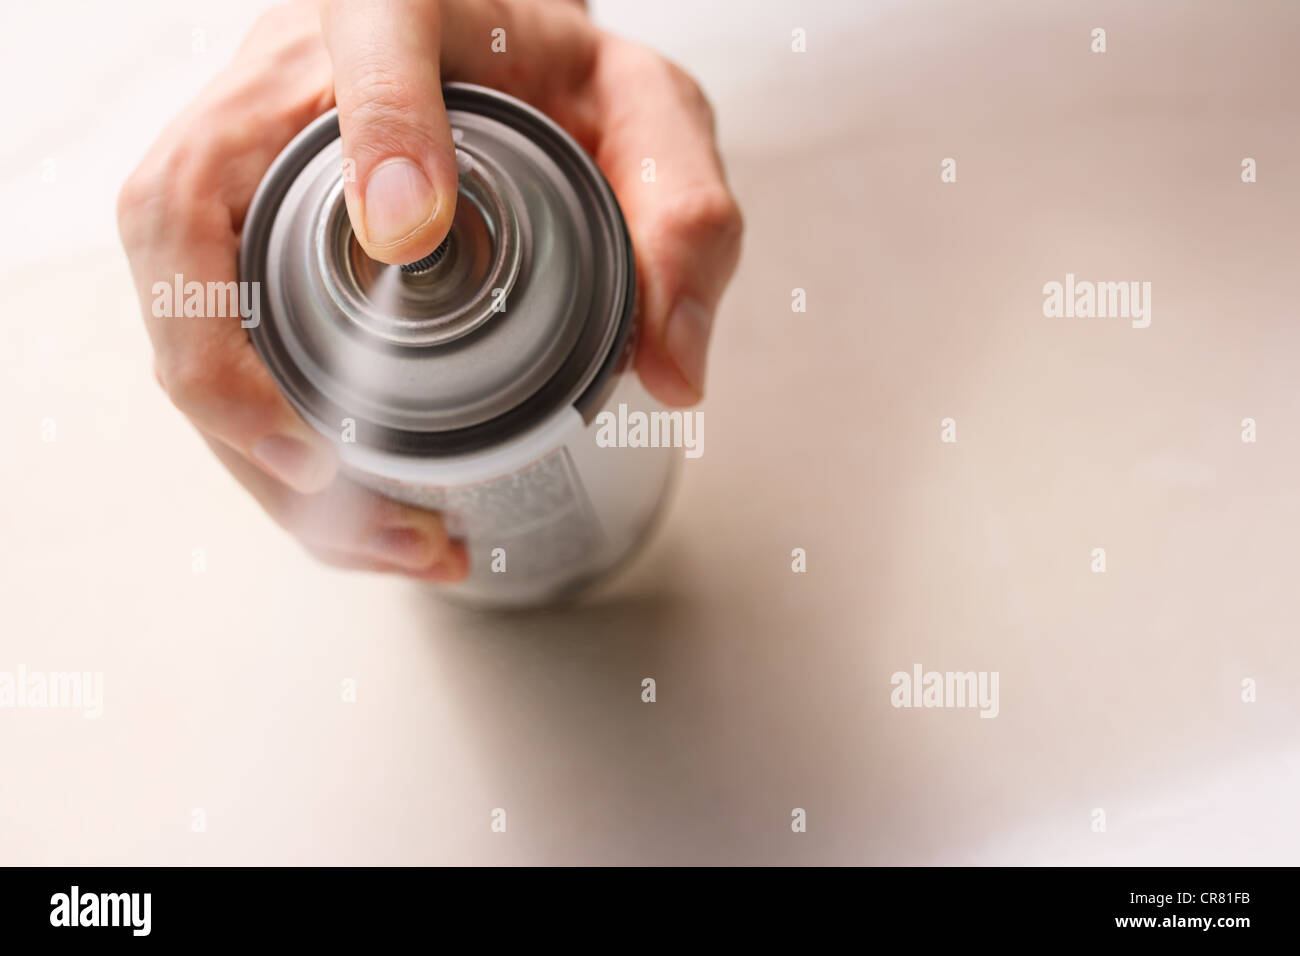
<point x="393" y="124"/>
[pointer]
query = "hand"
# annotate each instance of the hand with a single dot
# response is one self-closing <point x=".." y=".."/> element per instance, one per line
<point x="384" y="60"/>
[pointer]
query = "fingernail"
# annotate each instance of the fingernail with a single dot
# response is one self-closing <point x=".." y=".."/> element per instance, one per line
<point x="405" y="547"/>
<point x="297" y="464"/>
<point x="687" y="340"/>
<point x="399" y="199"/>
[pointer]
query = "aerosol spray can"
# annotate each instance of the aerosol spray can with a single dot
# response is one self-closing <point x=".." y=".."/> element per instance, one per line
<point x="470" y="382"/>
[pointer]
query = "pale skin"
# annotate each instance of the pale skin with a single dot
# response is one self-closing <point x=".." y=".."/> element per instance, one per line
<point x="382" y="63"/>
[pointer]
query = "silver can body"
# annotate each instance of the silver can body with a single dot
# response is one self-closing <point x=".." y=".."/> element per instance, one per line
<point x="472" y="385"/>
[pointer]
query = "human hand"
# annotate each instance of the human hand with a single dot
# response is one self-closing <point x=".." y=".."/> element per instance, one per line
<point x="385" y="60"/>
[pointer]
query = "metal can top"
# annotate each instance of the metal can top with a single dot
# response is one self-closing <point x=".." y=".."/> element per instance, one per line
<point x="524" y="309"/>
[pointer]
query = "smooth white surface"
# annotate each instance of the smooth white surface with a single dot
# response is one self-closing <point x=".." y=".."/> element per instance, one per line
<point x="1118" y="690"/>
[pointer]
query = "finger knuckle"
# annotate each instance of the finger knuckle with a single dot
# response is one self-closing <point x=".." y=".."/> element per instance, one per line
<point x="687" y="91"/>
<point x="139" y="201"/>
<point x="381" y="107"/>
<point x="706" y="214"/>
<point x="170" y="193"/>
<point x="193" y="381"/>
<point x="690" y="90"/>
<point x="132" y="200"/>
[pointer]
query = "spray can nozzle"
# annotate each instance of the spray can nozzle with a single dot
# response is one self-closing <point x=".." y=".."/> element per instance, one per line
<point x="421" y="266"/>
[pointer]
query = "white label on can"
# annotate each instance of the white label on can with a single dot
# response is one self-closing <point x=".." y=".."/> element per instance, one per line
<point x="539" y="515"/>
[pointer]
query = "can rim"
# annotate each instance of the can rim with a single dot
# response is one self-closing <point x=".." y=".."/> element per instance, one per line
<point x="592" y="387"/>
